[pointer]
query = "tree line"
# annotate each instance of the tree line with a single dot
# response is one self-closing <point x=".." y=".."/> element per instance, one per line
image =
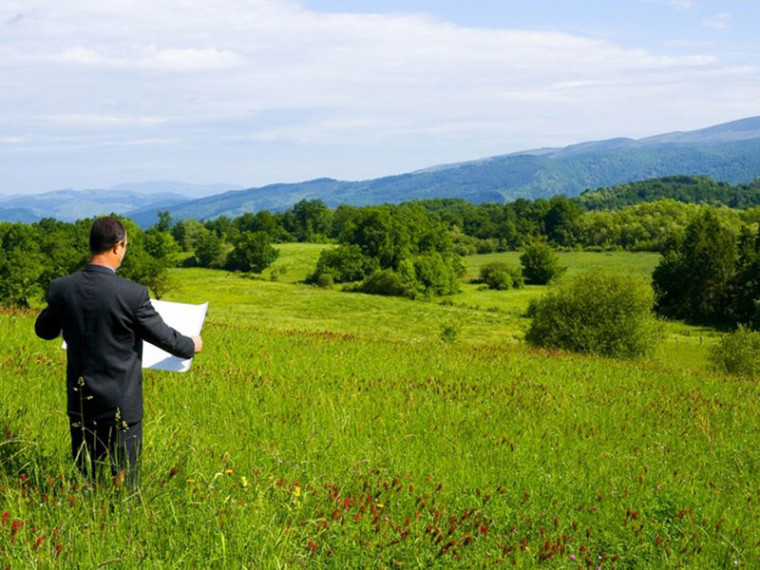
<point x="416" y="248"/>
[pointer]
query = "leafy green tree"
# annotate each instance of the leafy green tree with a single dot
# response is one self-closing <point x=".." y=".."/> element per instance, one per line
<point x="345" y="263"/>
<point x="597" y="313"/>
<point x="693" y="281"/>
<point x="309" y="221"/>
<point x="160" y="244"/>
<point x="540" y="264"/>
<point x="253" y="252"/>
<point x="21" y="264"/>
<point x="209" y="249"/>
<point x="560" y="219"/>
<point x="164" y="223"/>
<point x="187" y="233"/>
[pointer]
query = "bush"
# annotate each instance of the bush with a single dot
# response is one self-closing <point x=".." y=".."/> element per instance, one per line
<point x="450" y="332"/>
<point x="501" y="276"/>
<point x="383" y="282"/>
<point x="324" y="280"/>
<point x="540" y="264"/>
<point x="738" y="353"/>
<point x="596" y="313"/>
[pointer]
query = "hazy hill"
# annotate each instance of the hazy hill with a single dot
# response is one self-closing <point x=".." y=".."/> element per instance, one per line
<point x="69" y="205"/>
<point x="729" y="153"/>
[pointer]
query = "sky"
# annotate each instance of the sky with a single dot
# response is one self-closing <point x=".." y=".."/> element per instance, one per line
<point x="251" y="92"/>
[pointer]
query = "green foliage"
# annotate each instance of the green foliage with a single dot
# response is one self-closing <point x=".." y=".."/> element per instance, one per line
<point x="597" y="313"/>
<point x="253" y="252"/>
<point x="383" y="282"/>
<point x="501" y="276"/>
<point x="689" y="189"/>
<point x="450" y="331"/>
<point x="345" y="263"/>
<point x="540" y="264"/>
<point x="308" y="221"/>
<point x="738" y="353"/>
<point x="160" y="244"/>
<point x="693" y="280"/>
<point x="429" y="275"/>
<point x="209" y="249"/>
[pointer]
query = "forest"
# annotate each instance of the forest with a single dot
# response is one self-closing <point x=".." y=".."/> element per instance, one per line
<point x="709" y="245"/>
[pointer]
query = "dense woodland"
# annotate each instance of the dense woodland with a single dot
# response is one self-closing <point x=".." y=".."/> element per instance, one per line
<point x="707" y="232"/>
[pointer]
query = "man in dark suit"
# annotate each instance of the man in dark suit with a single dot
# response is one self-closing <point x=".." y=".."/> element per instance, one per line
<point x="104" y="320"/>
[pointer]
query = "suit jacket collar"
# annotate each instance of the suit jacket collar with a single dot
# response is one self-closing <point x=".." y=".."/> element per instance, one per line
<point x="99" y="269"/>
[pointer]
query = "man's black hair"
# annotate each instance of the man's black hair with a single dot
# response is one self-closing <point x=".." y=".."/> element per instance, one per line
<point x="105" y="233"/>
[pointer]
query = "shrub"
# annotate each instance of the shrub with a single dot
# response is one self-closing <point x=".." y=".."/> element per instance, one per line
<point x="450" y="332"/>
<point x="324" y="280"/>
<point x="597" y="313"/>
<point x="383" y="282"/>
<point x="738" y="353"/>
<point x="501" y="276"/>
<point x="540" y="264"/>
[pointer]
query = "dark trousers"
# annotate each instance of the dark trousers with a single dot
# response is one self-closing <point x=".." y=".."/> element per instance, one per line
<point x="98" y="445"/>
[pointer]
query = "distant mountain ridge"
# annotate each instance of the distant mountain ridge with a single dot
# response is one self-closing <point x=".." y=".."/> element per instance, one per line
<point x="728" y="152"/>
<point x="69" y="205"/>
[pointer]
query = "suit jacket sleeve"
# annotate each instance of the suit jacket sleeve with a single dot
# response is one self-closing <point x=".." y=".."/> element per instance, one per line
<point x="49" y="323"/>
<point x="153" y="329"/>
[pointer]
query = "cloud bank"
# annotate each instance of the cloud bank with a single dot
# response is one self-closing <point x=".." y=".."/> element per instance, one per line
<point x="265" y="89"/>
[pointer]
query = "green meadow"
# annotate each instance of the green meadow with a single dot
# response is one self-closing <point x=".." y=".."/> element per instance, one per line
<point x="320" y="428"/>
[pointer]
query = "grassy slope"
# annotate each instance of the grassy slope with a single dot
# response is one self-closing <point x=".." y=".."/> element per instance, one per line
<point x="336" y="429"/>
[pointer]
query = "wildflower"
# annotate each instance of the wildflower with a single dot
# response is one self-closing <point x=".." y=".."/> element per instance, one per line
<point x="297" y="490"/>
<point x="244" y="482"/>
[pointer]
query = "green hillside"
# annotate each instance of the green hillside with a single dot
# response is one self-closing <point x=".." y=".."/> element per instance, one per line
<point x="328" y="429"/>
<point x="688" y="189"/>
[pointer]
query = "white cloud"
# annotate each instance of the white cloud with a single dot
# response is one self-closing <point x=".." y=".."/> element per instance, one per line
<point x="263" y="72"/>
<point x="720" y="21"/>
<point x="168" y="59"/>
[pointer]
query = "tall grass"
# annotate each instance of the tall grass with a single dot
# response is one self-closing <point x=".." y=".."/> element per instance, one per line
<point x="328" y="429"/>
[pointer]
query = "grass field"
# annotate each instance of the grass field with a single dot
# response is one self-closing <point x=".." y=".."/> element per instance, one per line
<point x="328" y="429"/>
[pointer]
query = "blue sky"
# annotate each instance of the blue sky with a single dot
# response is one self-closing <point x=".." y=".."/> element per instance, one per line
<point x="251" y="92"/>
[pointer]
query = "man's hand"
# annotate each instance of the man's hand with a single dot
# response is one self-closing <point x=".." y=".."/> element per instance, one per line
<point x="198" y="342"/>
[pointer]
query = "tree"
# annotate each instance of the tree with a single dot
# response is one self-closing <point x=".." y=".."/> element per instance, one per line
<point x="253" y="252"/>
<point x="345" y="263"/>
<point x="597" y="313"/>
<point x="540" y="264"/>
<point x="209" y="249"/>
<point x="693" y="280"/>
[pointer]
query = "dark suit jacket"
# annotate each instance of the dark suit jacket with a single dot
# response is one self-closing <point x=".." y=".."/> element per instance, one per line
<point x="104" y="320"/>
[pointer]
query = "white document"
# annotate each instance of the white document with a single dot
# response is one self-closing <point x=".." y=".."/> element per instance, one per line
<point x="187" y="319"/>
